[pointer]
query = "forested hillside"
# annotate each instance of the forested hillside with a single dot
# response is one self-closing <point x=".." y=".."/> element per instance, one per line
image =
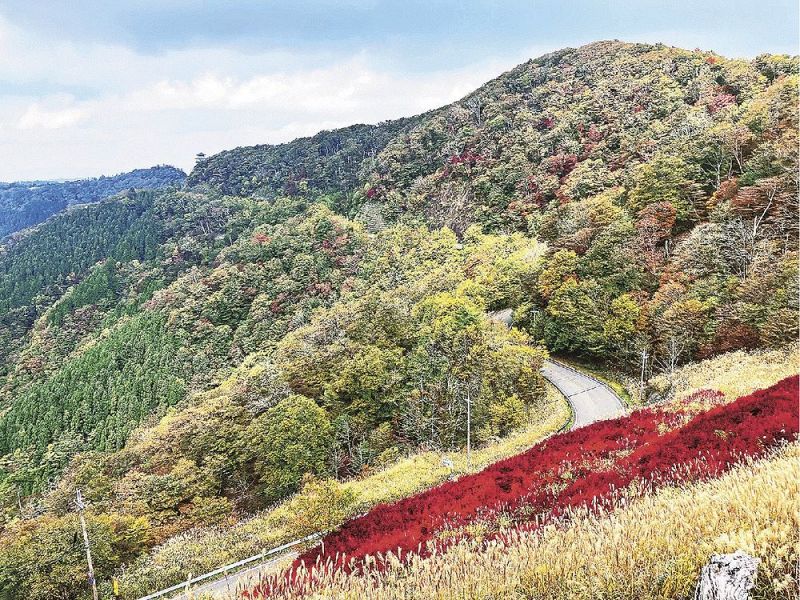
<point x="26" y="203"/>
<point x="327" y="163"/>
<point x="667" y="194"/>
<point x="319" y="308"/>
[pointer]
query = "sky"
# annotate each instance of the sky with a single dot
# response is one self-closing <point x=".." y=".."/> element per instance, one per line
<point x="92" y="87"/>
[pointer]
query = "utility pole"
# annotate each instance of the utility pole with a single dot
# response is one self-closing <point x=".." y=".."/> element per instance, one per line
<point x="645" y="356"/>
<point x="81" y="506"/>
<point x="469" y="425"/>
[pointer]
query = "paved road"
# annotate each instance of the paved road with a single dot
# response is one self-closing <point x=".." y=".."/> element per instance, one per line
<point x="591" y="400"/>
<point x="241" y="580"/>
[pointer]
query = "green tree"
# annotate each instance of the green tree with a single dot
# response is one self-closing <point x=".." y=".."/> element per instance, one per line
<point x="576" y="317"/>
<point x="286" y="442"/>
<point x="666" y="179"/>
<point x="560" y="269"/>
<point x="620" y="325"/>
<point x="43" y="558"/>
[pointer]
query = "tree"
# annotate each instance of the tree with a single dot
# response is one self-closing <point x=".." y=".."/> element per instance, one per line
<point x="654" y="225"/>
<point x="576" y="317"/>
<point x="769" y="208"/>
<point x="588" y="178"/>
<point x="620" y="326"/>
<point x="286" y="442"/>
<point x="321" y="505"/>
<point x="666" y="179"/>
<point x="41" y="559"/>
<point x="679" y="330"/>
<point x="560" y="269"/>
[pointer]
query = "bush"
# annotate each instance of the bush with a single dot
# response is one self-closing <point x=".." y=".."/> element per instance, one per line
<point x="289" y="440"/>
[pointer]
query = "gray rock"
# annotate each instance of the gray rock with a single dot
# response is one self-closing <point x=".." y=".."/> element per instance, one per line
<point x="504" y="316"/>
<point x="728" y="577"/>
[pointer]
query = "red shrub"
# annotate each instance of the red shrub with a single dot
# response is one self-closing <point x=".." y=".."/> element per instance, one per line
<point x="581" y="468"/>
<point x="546" y="123"/>
<point x="260" y="238"/>
<point x="466" y="157"/>
<point x="720" y="101"/>
<point x="561" y="164"/>
<point x="594" y="134"/>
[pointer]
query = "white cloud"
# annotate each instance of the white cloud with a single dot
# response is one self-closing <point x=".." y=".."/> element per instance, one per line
<point x="351" y="87"/>
<point x="174" y="117"/>
<point x="38" y="116"/>
<point x="127" y="110"/>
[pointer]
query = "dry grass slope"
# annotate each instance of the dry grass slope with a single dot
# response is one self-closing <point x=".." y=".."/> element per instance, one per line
<point x="652" y="547"/>
<point x="735" y="374"/>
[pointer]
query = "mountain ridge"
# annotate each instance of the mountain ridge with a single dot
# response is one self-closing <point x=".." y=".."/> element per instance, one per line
<point x="603" y="53"/>
<point x="24" y="204"/>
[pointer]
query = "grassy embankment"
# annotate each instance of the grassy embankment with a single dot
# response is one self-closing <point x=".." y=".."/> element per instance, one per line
<point x="202" y="550"/>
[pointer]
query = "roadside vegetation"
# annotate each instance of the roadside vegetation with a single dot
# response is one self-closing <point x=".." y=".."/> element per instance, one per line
<point x="645" y="547"/>
<point x="323" y="505"/>
<point x="585" y="468"/>
<point x="732" y="374"/>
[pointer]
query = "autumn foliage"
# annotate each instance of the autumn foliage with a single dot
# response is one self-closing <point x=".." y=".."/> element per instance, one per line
<point x="587" y="467"/>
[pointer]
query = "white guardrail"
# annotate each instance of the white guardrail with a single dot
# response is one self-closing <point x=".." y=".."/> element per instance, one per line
<point x="185" y="585"/>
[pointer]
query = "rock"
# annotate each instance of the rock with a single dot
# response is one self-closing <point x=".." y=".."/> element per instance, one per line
<point x="504" y="316"/>
<point x="728" y="577"/>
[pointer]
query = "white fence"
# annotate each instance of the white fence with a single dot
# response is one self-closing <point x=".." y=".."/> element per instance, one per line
<point x="186" y="585"/>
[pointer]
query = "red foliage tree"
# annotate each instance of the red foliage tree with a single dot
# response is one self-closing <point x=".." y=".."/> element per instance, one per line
<point x="546" y="123"/>
<point x="654" y="225"/>
<point x="594" y="134"/>
<point x="726" y="190"/>
<point x="720" y="101"/>
<point x="730" y="336"/>
<point x="561" y="164"/>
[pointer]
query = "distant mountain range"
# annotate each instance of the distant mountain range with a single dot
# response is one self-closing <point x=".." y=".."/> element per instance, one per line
<point x="27" y="203"/>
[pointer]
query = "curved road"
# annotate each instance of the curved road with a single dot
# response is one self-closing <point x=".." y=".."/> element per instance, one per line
<point x="590" y="399"/>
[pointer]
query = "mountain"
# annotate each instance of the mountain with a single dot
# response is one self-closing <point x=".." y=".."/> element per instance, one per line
<point x="327" y="163"/>
<point x="317" y="310"/>
<point x="27" y="203"/>
<point x="504" y="152"/>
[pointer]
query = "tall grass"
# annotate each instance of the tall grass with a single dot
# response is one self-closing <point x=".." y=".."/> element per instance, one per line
<point x="734" y="374"/>
<point x="202" y="550"/>
<point x="652" y="546"/>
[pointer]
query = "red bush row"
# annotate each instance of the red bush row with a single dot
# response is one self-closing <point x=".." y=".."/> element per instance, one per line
<point x="580" y="468"/>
